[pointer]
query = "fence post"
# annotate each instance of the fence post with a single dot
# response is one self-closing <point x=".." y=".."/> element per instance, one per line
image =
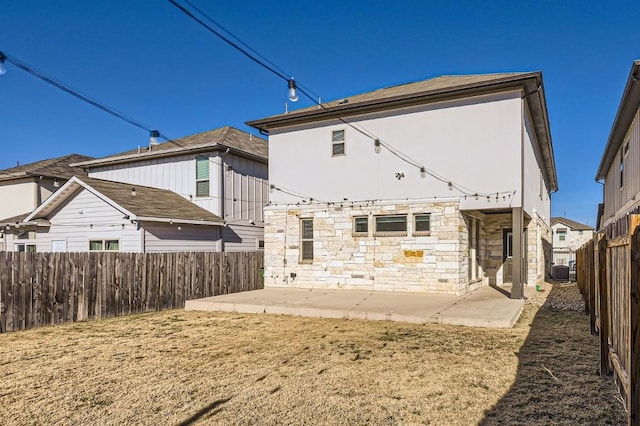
<point x="591" y="255"/>
<point x="603" y="284"/>
<point x="634" y="324"/>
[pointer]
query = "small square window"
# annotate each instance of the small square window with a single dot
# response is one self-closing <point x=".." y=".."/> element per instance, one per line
<point x="391" y="225"/>
<point x="361" y="225"/>
<point x="337" y="143"/>
<point x="422" y="223"/>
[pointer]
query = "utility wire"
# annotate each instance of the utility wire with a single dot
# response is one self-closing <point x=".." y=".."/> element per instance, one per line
<point x="270" y="66"/>
<point x="75" y="93"/>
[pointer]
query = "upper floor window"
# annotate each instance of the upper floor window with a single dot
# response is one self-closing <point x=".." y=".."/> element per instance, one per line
<point x="202" y="176"/>
<point x="337" y="143"/>
<point x="562" y="235"/>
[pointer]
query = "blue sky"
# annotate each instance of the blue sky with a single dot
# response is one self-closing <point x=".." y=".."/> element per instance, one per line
<point x="149" y="61"/>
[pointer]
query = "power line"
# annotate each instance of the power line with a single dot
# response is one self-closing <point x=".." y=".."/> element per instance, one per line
<point x="259" y="59"/>
<point x="13" y="60"/>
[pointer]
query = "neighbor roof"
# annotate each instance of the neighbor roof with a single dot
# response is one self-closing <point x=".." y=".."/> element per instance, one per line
<point x="626" y="113"/>
<point x="59" y="167"/>
<point x="576" y="226"/>
<point x="432" y="90"/>
<point x="147" y="204"/>
<point x="237" y="141"/>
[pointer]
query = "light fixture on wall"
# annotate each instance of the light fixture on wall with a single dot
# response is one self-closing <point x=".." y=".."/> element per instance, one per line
<point x="133" y="192"/>
<point x="56" y="182"/>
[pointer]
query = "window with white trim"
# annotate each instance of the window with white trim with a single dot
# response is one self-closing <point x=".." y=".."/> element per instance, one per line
<point x="422" y="224"/>
<point x="306" y="240"/>
<point x="562" y="234"/>
<point x="24" y="247"/>
<point x="391" y="225"/>
<point x="202" y="176"/>
<point x="337" y="143"/>
<point x="104" y="245"/>
<point x="361" y="225"/>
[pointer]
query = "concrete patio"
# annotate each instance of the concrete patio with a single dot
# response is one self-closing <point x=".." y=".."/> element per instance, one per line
<point x="485" y="307"/>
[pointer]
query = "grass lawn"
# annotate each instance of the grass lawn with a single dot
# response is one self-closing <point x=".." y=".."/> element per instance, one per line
<point x="179" y="367"/>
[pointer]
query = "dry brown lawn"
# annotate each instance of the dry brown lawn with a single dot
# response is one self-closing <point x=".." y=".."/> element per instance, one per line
<point x="181" y="367"/>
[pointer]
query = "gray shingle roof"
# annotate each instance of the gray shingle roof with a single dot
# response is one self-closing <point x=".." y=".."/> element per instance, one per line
<point x="576" y="226"/>
<point x="53" y="167"/>
<point x="432" y="86"/>
<point x="225" y="137"/>
<point x="146" y="203"/>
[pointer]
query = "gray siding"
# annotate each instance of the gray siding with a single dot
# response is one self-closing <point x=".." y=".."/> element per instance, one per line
<point x="164" y="237"/>
<point x="242" y="237"/>
<point x="246" y="188"/>
<point x="86" y="217"/>
<point x="617" y="199"/>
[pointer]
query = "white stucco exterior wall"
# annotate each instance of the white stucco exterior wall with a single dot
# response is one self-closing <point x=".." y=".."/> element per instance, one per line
<point x="19" y="196"/>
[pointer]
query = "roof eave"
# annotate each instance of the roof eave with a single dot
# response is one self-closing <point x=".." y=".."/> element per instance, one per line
<point x="624" y="117"/>
<point x="178" y="221"/>
<point x="327" y="112"/>
<point x="168" y="153"/>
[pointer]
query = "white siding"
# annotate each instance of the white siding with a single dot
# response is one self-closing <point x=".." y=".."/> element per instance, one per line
<point x="473" y="142"/>
<point x="86" y="217"/>
<point x="161" y="237"/>
<point x="617" y="200"/>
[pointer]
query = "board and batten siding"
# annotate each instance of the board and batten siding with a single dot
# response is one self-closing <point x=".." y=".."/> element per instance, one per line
<point x="618" y="200"/>
<point x="164" y="237"/>
<point x="86" y="217"/>
<point x="245" y="187"/>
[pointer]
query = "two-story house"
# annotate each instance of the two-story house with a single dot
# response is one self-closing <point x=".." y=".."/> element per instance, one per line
<point x="568" y="236"/>
<point x="620" y="163"/>
<point x="25" y="187"/>
<point x="437" y="186"/>
<point x="203" y="192"/>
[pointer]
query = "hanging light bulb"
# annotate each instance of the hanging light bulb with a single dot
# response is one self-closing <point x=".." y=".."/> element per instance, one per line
<point x="3" y="70"/>
<point x="153" y="137"/>
<point x="377" y="145"/>
<point x="423" y="172"/>
<point x="293" y="97"/>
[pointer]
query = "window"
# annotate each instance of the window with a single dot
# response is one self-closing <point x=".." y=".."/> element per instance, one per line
<point x="202" y="176"/>
<point x="337" y="142"/>
<point x="306" y="240"/>
<point x="260" y="244"/>
<point x="27" y="235"/>
<point x="421" y="224"/>
<point x="104" y="245"/>
<point x="580" y="232"/>
<point x="29" y="248"/>
<point x="621" y="171"/>
<point x="562" y="234"/>
<point x="390" y="225"/>
<point x="361" y="225"/>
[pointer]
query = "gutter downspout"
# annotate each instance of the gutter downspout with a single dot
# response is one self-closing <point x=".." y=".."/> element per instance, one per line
<point x="221" y="194"/>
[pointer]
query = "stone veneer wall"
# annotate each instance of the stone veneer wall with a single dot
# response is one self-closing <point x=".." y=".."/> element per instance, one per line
<point x="433" y="263"/>
<point x="539" y="250"/>
<point x="494" y="224"/>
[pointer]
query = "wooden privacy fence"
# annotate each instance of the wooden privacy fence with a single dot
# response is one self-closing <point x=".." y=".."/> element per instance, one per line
<point x="39" y="289"/>
<point x="609" y="277"/>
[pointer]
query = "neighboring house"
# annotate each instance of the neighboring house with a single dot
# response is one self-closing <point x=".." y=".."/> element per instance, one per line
<point x="22" y="189"/>
<point x="223" y="171"/>
<point x="97" y="215"/>
<point x="620" y="163"/>
<point x="347" y="212"/>
<point x="568" y="236"/>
